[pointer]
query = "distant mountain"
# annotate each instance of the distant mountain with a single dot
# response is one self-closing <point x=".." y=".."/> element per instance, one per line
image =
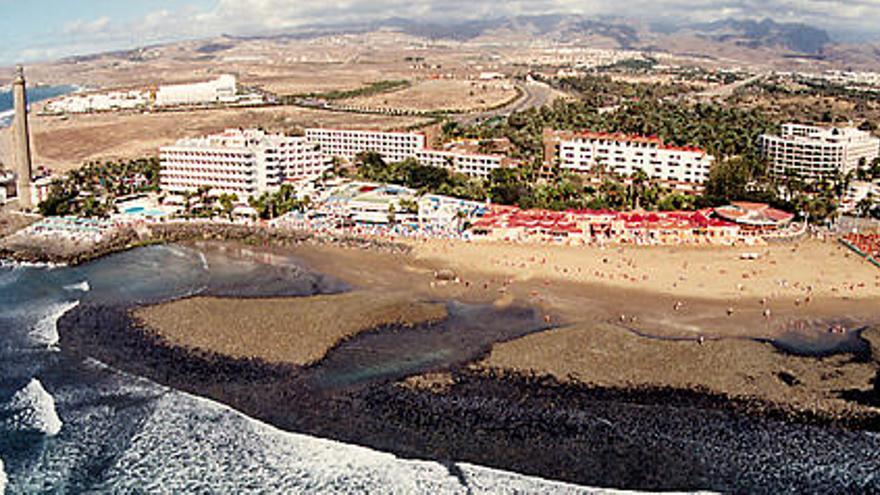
<point x="767" y="34"/>
<point x="626" y="33"/>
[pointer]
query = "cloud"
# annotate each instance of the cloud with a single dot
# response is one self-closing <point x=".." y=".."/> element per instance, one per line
<point x="83" y="27"/>
<point x="245" y="17"/>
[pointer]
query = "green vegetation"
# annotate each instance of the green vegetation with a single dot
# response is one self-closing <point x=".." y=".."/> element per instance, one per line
<point x="517" y="186"/>
<point x="91" y="190"/>
<point x="631" y="65"/>
<point x="273" y="205"/>
<point x="371" y="89"/>
<point x="424" y="178"/>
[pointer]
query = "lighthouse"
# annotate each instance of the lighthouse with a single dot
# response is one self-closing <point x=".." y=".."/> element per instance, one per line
<point x="21" y="140"/>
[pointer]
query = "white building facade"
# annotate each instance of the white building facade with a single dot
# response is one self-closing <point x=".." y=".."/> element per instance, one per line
<point x="684" y="167"/>
<point x="221" y="90"/>
<point x="99" y="102"/>
<point x="346" y="144"/>
<point x="470" y="164"/>
<point x="814" y="152"/>
<point x="242" y="162"/>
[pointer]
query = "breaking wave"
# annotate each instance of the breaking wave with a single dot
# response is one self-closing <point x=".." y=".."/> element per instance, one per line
<point x="82" y="286"/>
<point x="180" y="447"/>
<point x="45" y="330"/>
<point x="3" y="479"/>
<point x="33" y="409"/>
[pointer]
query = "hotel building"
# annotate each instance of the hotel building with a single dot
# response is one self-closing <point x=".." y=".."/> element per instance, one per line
<point x="814" y="152"/>
<point x="346" y="144"/>
<point x="685" y="168"/>
<point x="470" y="164"/>
<point x="242" y="162"/>
<point x="220" y="90"/>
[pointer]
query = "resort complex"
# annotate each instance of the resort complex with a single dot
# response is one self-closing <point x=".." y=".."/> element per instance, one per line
<point x="222" y="91"/>
<point x="685" y="168"/>
<point x="814" y="152"/>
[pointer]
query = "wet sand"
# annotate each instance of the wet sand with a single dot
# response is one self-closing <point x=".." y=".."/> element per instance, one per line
<point x="290" y="330"/>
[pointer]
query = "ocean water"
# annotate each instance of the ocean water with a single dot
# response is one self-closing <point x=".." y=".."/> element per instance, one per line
<point x="69" y="425"/>
<point x="35" y="94"/>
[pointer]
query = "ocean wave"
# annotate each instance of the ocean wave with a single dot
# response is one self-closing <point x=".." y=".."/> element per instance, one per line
<point x="204" y="260"/>
<point x="6" y="263"/>
<point x="3" y="479"/>
<point x="33" y="409"/>
<point x="45" y="330"/>
<point x="194" y="444"/>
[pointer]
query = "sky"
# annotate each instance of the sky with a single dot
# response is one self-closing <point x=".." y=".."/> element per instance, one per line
<point x="32" y="30"/>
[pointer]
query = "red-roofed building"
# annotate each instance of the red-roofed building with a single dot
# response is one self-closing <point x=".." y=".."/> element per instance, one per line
<point x="590" y="226"/>
<point x="684" y="167"/>
<point x="754" y="217"/>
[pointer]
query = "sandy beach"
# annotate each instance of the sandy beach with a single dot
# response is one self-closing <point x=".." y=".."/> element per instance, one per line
<point x="812" y="268"/>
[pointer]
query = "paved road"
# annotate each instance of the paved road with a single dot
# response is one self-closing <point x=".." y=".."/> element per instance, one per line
<point x="724" y="91"/>
<point x="534" y="94"/>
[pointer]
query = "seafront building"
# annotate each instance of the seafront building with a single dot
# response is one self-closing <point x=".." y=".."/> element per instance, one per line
<point x="815" y="152"/>
<point x="685" y="168"/>
<point x="242" y="162"/>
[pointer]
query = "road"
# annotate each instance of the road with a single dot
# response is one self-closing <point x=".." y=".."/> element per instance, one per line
<point x="724" y="91"/>
<point x="533" y="94"/>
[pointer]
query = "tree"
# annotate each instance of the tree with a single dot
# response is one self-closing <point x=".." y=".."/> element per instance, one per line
<point x="392" y="217"/>
<point x="865" y="205"/>
<point x="227" y="204"/>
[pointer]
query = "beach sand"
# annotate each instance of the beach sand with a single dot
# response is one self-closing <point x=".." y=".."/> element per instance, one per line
<point x="289" y="330"/>
<point x="786" y="271"/>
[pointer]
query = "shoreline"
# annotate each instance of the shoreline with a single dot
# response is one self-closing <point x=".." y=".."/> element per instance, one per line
<point x="489" y="417"/>
<point x="498" y="407"/>
<point x="28" y="250"/>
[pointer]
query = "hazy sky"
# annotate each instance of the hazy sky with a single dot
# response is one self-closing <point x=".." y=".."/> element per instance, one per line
<point x="44" y="29"/>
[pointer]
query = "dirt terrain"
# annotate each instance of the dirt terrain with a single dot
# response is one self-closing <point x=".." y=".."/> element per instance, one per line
<point x="63" y="144"/>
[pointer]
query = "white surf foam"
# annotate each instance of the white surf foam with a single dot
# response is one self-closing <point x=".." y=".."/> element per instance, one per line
<point x="29" y="264"/>
<point x="3" y="479"/>
<point x="193" y="444"/>
<point x="45" y="330"/>
<point x="6" y="118"/>
<point x="33" y="409"/>
<point x="82" y="286"/>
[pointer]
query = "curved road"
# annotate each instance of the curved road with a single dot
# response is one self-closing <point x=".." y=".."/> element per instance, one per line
<point x="533" y="94"/>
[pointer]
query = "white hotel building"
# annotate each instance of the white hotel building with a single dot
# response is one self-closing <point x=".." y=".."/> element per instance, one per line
<point x="346" y="144"/>
<point x="398" y="146"/>
<point x="813" y="152"/>
<point x="685" y="168"/>
<point x="241" y="162"/>
<point x="220" y="90"/>
<point x="470" y="164"/>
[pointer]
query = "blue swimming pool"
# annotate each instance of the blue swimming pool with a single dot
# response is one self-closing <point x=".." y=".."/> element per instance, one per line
<point x="140" y="210"/>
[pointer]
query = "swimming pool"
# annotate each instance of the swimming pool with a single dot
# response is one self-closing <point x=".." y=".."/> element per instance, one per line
<point x="140" y="210"/>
